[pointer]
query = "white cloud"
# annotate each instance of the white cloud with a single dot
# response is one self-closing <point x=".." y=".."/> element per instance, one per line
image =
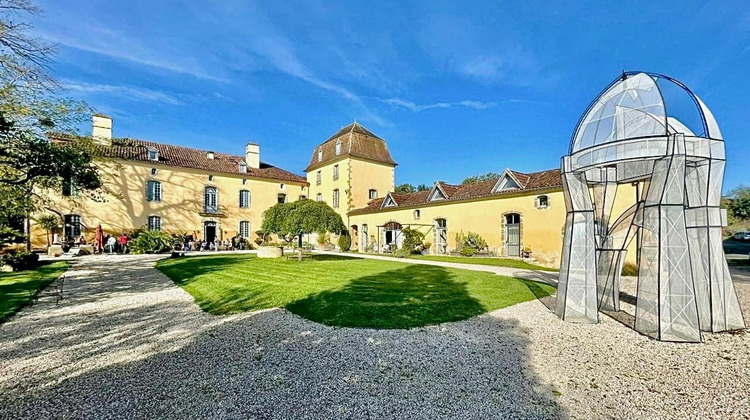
<point x="104" y="41"/>
<point x="403" y="103"/>
<point x="132" y="92"/>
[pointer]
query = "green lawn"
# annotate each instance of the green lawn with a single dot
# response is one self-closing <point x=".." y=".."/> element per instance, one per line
<point x="497" y="262"/>
<point x="343" y="291"/>
<point x="16" y="289"/>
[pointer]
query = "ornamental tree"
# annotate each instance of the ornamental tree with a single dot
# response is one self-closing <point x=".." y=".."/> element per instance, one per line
<point x="301" y="217"/>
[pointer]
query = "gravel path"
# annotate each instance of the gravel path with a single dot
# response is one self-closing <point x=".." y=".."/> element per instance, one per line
<point x="127" y="343"/>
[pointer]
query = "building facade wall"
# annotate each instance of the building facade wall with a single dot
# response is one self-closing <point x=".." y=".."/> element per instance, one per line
<point x="356" y="178"/>
<point x="541" y="228"/>
<point x="124" y="207"/>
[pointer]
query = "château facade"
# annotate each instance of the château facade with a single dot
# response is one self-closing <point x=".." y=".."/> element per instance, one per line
<point x="149" y="185"/>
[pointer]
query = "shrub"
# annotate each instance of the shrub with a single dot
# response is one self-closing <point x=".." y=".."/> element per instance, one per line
<point x="20" y="260"/>
<point x="413" y="240"/>
<point x="345" y="242"/>
<point x="471" y="240"/>
<point x="151" y="242"/>
<point x="629" y="269"/>
<point x="401" y="253"/>
<point x="468" y="251"/>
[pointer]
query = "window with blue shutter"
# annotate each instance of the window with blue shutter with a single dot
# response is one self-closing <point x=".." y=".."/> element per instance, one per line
<point x="153" y="191"/>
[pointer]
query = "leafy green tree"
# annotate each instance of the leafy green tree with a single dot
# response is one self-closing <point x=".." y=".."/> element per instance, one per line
<point x="301" y="217"/>
<point x="405" y="188"/>
<point x="738" y="203"/>
<point x="48" y="222"/>
<point x="483" y="177"/>
<point x="422" y="187"/>
<point x="30" y="165"/>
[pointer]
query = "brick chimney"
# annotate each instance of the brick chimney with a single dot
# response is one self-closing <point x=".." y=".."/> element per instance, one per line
<point x="101" y="130"/>
<point x="252" y="155"/>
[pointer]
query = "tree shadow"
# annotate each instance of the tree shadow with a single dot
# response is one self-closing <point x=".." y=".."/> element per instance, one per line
<point x="413" y="296"/>
<point x="274" y="365"/>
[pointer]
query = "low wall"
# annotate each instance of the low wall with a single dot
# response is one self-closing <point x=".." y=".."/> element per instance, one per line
<point x="270" y="252"/>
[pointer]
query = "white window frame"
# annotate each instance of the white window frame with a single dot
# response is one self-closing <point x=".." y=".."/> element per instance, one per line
<point x="154" y="223"/>
<point x="244" y="234"/>
<point x="208" y="206"/>
<point x="338" y="147"/>
<point x="335" y="172"/>
<point x="319" y="197"/>
<point x="336" y="196"/>
<point x="279" y="196"/>
<point x="153" y="154"/>
<point x="243" y="167"/>
<point x="154" y="194"/>
<point x="372" y="193"/>
<point x="320" y="154"/>
<point x="538" y="201"/>
<point x="245" y="201"/>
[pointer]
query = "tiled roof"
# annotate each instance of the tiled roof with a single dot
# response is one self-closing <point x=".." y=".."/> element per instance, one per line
<point x="186" y="157"/>
<point x="356" y="141"/>
<point x="549" y="179"/>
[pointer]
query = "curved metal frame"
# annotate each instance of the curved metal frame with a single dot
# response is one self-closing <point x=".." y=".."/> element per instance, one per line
<point x="684" y="285"/>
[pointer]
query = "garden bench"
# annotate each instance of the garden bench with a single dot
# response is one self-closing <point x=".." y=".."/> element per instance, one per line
<point x="55" y="289"/>
<point x="300" y="254"/>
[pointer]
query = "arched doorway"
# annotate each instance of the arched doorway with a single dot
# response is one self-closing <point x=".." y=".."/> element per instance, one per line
<point x="512" y="234"/>
<point x="392" y="236"/>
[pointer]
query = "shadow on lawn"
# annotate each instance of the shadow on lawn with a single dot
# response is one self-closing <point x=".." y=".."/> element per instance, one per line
<point x="412" y="296"/>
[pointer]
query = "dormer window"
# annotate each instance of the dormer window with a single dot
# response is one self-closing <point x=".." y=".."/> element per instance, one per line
<point x="320" y="154"/>
<point x="389" y="201"/>
<point x="243" y="167"/>
<point x="338" y="147"/>
<point x="542" y="202"/>
<point x="436" y="194"/>
<point x="506" y="182"/>
<point x="210" y="155"/>
<point x="153" y="154"/>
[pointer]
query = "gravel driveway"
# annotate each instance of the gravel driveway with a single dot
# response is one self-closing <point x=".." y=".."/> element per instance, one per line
<point x="127" y="343"/>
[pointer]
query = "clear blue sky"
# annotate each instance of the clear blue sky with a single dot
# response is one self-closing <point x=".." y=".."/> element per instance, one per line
<point x="456" y="88"/>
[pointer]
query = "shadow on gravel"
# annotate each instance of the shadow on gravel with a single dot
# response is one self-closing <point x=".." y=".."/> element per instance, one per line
<point x="275" y="365"/>
<point x="413" y="296"/>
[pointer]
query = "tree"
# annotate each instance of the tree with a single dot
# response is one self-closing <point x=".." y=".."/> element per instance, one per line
<point x="738" y="203"/>
<point x="483" y="177"/>
<point x="30" y="165"/>
<point x="405" y="188"/>
<point x="409" y="188"/>
<point x="301" y="217"/>
<point x="49" y="223"/>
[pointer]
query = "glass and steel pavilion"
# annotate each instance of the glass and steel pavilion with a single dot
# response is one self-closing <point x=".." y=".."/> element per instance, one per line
<point x="648" y="129"/>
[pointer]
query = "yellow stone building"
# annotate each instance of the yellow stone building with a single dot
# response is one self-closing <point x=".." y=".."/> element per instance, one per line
<point x="350" y="169"/>
<point x="209" y="194"/>
<point x="173" y="188"/>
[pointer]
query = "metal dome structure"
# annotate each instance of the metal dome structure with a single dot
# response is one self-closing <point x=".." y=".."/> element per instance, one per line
<point x="649" y="130"/>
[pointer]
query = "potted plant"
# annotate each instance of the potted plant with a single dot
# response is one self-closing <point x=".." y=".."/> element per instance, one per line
<point x="526" y="253"/>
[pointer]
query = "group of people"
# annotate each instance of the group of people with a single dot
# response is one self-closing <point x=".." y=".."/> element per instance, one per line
<point x="110" y="244"/>
<point x="192" y="243"/>
<point x="116" y="245"/>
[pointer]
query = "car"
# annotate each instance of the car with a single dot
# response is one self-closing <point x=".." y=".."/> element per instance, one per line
<point x="742" y="236"/>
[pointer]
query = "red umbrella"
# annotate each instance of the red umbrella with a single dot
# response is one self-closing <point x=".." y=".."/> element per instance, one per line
<point x="99" y="239"/>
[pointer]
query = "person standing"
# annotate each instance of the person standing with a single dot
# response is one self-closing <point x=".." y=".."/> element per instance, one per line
<point x="111" y="243"/>
<point x="123" y="242"/>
